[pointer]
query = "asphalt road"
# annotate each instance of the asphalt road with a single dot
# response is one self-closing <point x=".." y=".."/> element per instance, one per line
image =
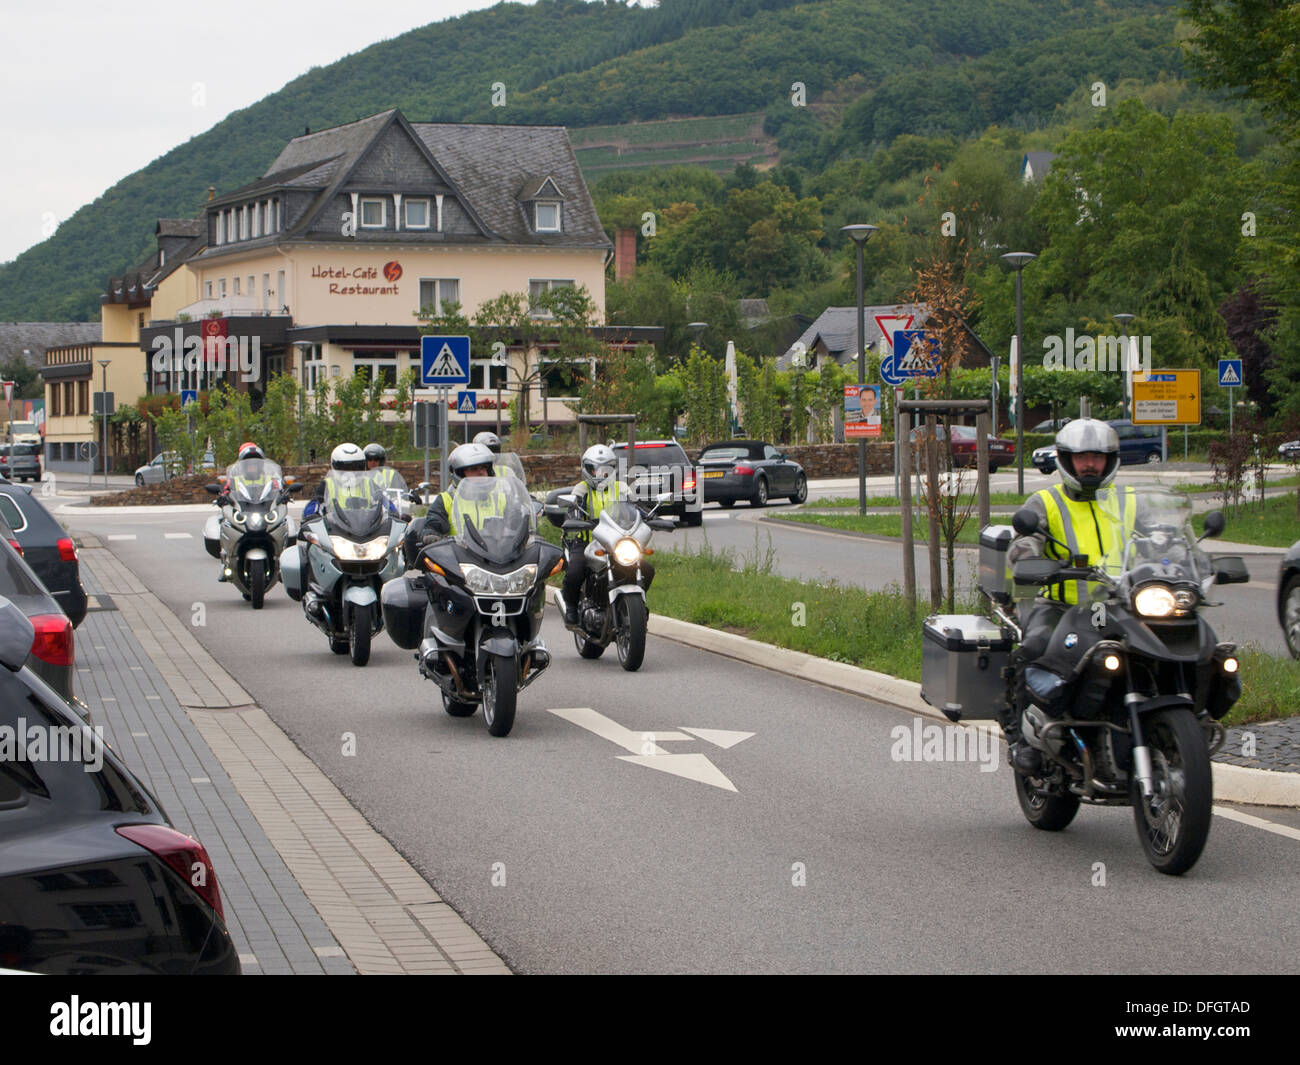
<point x="829" y="855"/>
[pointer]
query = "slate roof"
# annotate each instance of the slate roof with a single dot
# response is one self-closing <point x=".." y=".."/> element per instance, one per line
<point x="179" y="227"/>
<point x="1039" y="163"/>
<point x="39" y="337"/>
<point x="837" y="329"/>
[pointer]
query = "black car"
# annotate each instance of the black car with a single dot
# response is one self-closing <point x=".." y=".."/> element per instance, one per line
<point x="47" y="548"/>
<point x="21" y="462"/>
<point x="751" y="470"/>
<point x="93" y="877"/>
<point x="1288" y="599"/>
<point x="658" y="467"/>
<point x="53" y="644"/>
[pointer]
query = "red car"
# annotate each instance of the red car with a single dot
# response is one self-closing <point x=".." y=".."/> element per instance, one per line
<point x="1001" y="452"/>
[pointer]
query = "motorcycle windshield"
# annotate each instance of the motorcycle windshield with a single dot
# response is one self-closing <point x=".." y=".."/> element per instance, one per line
<point x="355" y="504"/>
<point x="1159" y="530"/>
<point x="509" y="464"/>
<point x="623" y="514"/>
<point x="392" y="486"/>
<point x="493" y="517"/>
<point x="254" y="480"/>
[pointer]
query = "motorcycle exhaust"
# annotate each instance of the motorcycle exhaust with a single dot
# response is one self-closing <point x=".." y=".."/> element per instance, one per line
<point x="537" y="661"/>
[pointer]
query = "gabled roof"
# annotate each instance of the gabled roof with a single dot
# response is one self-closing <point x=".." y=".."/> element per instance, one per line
<point x="836" y="328"/>
<point x="39" y="337"/>
<point x="539" y="187"/>
<point x="178" y="227"/>
<point x="1036" y="165"/>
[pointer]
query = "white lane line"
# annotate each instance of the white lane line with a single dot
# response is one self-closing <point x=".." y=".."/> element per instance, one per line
<point x="121" y="536"/>
<point x="1258" y="822"/>
<point x="717" y="516"/>
<point x="179" y="536"/>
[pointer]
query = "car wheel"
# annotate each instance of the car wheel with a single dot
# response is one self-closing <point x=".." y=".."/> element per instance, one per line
<point x="760" y="494"/>
<point x="993" y="468"/>
<point x="800" y="490"/>
<point x="1291" y="615"/>
<point x="693" y="519"/>
<point x="726" y="504"/>
<point x="139" y="480"/>
<point x="1153" y="456"/>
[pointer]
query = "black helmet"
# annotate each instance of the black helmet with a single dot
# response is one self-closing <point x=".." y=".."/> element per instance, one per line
<point x="376" y="453"/>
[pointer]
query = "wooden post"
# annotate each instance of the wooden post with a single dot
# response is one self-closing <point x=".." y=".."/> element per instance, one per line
<point x="932" y="480"/>
<point x="904" y="431"/>
<point x="982" y="465"/>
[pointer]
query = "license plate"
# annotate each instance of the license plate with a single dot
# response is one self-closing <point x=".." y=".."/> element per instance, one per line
<point x="714" y="473"/>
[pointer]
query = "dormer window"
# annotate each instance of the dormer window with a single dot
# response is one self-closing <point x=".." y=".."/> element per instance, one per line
<point x="374" y="212"/>
<point x="417" y="214"/>
<point x="546" y="217"/>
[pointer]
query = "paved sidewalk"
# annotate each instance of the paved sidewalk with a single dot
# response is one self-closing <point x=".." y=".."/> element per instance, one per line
<point x="309" y="886"/>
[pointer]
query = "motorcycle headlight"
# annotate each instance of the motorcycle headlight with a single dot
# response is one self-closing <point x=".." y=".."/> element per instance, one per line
<point x="484" y="582"/>
<point x="255" y="521"/>
<point x="627" y="552"/>
<point x="237" y="517"/>
<point x="351" y="551"/>
<point x="272" y="516"/>
<point x="1155" y="601"/>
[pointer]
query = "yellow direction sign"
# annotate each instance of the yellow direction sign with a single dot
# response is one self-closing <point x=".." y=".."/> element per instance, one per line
<point x="1167" y="397"/>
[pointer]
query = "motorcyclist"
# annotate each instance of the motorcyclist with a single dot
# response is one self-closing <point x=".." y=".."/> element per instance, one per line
<point x="598" y="488"/>
<point x="332" y="492"/>
<point x="252" y="468"/>
<point x="490" y="441"/>
<point x="1091" y="517"/>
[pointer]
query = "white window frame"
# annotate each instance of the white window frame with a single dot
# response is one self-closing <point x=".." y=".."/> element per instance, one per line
<point x="221" y="288"/>
<point x="543" y="363"/>
<point x="550" y="283"/>
<point x="537" y="216"/>
<point x="243" y="222"/>
<point x="236" y="292"/>
<point x="221" y="227"/>
<point x="437" y="283"/>
<point x="383" y="212"/>
<point x="207" y="290"/>
<point x="480" y="375"/>
<point x="378" y="360"/>
<point x="428" y="213"/>
<point x="255" y="222"/>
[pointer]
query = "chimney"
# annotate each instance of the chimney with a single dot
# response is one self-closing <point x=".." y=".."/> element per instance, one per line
<point x="212" y="192"/>
<point x="624" y="253"/>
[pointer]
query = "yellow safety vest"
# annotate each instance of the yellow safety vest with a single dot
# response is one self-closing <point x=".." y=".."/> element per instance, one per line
<point x="597" y="499"/>
<point x="336" y="496"/>
<point x="1099" y="529"/>
<point x="491" y="507"/>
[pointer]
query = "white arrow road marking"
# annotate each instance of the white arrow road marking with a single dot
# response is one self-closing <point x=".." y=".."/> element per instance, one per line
<point x="646" y="750"/>
<point x="720" y="737"/>
<point x="690" y="766"/>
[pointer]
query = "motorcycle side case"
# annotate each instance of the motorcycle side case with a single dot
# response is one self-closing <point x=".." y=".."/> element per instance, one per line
<point x="212" y="535"/>
<point x="291" y="573"/>
<point x="404" y="602"/>
<point x="962" y="658"/>
<point x="994" y="569"/>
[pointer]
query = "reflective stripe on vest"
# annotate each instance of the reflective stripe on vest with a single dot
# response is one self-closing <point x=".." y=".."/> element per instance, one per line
<point x="491" y="507"/>
<point x="1079" y="524"/>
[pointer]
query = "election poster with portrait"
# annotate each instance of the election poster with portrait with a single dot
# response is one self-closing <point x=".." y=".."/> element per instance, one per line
<point x="861" y="411"/>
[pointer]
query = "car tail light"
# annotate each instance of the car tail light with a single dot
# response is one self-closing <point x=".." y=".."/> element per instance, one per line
<point x="744" y="471"/>
<point x="67" y="549"/>
<point x="53" y="642"/>
<point x="16" y="546"/>
<point x="186" y="857"/>
<point x="688" y="482"/>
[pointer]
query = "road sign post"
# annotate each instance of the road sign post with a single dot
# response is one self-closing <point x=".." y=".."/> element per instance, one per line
<point x="444" y="361"/>
<point x="1230" y="377"/>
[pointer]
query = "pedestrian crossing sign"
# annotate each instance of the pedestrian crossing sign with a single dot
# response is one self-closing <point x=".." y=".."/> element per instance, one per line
<point x="1229" y="373"/>
<point x="444" y="360"/>
<point x="467" y="403"/>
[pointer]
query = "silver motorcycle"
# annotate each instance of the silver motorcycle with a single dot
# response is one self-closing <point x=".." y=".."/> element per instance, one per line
<point x="253" y="528"/>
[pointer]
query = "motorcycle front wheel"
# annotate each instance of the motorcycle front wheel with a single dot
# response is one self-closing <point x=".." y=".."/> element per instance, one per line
<point x="257" y="582"/>
<point x="1175" y="823"/>
<point x="359" y="635"/>
<point x="630" y="619"/>
<point x="1051" y="813"/>
<point x="500" y="692"/>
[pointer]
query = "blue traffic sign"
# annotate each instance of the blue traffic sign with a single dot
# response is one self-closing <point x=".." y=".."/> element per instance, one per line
<point x="466" y="402"/>
<point x="1229" y="373"/>
<point x="444" y="361"/>
<point x="1166" y="377"/>
<point x="188" y="396"/>
<point x="910" y="357"/>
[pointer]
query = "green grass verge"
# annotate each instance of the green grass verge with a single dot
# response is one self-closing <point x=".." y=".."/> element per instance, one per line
<point x="1009" y="499"/>
<point x="1272" y="523"/>
<point x="881" y="524"/>
<point x="1270" y="688"/>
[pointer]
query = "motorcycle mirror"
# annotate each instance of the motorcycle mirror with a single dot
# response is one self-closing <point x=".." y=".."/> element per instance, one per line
<point x="567" y="499"/>
<point x="1214" y="524"/>
<point x="1230" y="569"/>
<point x="1025" y="522"/>
<point x="213" y="489"/>
<point x="290" y="479"/>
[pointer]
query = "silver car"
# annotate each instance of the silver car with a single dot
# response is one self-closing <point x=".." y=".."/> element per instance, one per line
<point x="168" y="464"/>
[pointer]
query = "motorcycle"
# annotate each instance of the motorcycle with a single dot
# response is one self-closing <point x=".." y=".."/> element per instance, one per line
<point x="253" y="528"/>
<point x="474" y="611"/>
<point x="351" y="546"/>
<point x="612" y="606"/>
<point x="1124" y="704"/>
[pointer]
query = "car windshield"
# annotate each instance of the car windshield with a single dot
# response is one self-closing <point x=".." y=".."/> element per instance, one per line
<point x="724" y="454"/>
<point x="255" y="480"/>
<point x="26" y="449"/>
<point x="493" y="517"/>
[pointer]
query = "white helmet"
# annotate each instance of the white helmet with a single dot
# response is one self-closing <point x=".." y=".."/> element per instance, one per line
<point x="598" y="465"/>
<point x="490" y="441"/>
<point x="347" y="457"/>
<point x="466" y="457"/>
<point x="1085" y="435"/>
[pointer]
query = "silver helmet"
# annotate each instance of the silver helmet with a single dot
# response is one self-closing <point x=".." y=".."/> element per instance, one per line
<point x="490" y="441"/>
<point x="466" y="457"/>
<point x="1087" y="435"/>
<point x="347" y="457"/>
<point x="598" y="465"/>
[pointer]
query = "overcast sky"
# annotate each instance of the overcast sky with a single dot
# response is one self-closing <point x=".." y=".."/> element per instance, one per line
<point x="92" y="92"/>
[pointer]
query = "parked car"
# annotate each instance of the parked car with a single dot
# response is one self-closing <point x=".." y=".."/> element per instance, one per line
<point x="1052" y="425"/>
<point x="93" y="876"/>
<point x="1001" y="452"/>
<point x="1137" y="443"/>
<point x="21" y="462"/>
<point x="51" y="655"/>
<point x="751" y="470"/>
<point x="1044" y="458"/>
<point x="158" y="469"/>
<point x="1288" y="599"/>
<point x="659" y="466"/>
<point x="1290" y="451"/>
<point x="47" y="548"/>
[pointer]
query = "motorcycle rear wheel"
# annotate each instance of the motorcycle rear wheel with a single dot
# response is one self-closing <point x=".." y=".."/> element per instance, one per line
<point x="587" y="648"/>
<point x="630" y="619"/>
<point x="500" y="693"/>
<point x="257" y="582"/>
<point x="359" y="635"/>
<point x="1174" y="826"/>
<point x="1051" y="813"/>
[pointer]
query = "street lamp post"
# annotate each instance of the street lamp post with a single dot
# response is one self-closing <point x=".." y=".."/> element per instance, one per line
<point x="860" y="234"/>
<point x="1018" y="260"/>
<point x="303" y="347"/>
<point x="103" y="407"/>
<point x="1126" y="405"/>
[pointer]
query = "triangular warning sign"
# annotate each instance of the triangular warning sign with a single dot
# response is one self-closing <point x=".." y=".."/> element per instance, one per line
<point x="1229" y="376"/>
<point x="446" y="364"/>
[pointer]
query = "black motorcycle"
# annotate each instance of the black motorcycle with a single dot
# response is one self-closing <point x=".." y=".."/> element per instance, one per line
<point x="474" y="612"/>
<point x="1124" y="704"/>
